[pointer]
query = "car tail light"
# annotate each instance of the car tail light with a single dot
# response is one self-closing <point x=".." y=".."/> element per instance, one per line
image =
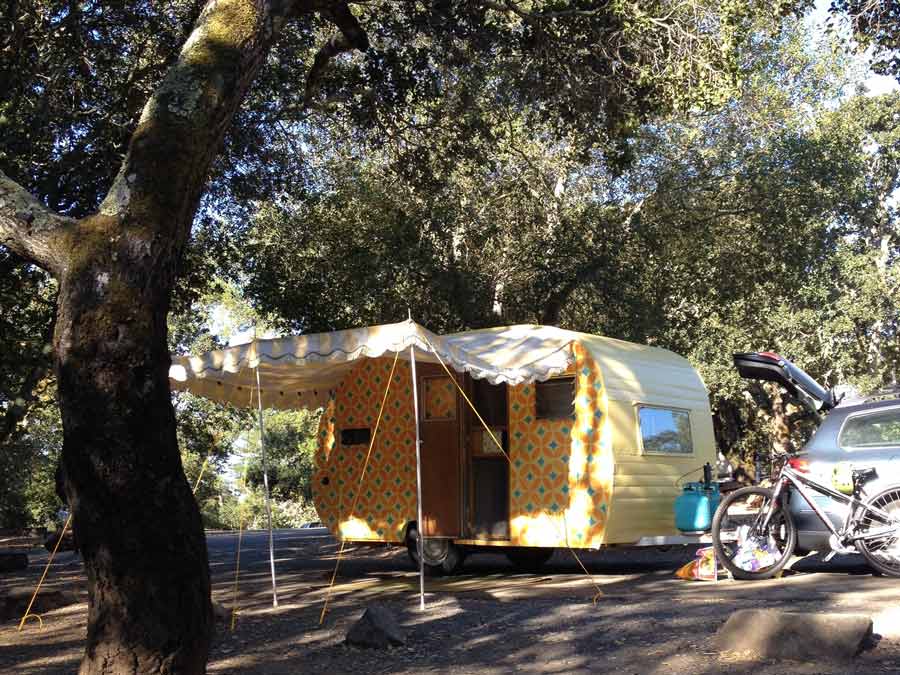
<point x="799" y="464"/>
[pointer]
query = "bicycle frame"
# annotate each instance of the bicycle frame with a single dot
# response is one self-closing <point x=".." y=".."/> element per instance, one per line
<point x="801" y="482"/>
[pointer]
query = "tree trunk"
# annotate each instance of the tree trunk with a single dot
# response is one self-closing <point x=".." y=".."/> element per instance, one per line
<point x="782" y="424"/>
<point x="135" y="518"/>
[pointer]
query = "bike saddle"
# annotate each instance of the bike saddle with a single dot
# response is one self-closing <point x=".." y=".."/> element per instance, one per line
<point x="861" y="476"/>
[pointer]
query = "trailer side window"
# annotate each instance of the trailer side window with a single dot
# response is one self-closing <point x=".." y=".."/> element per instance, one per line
<point x="361" y="436"/>
<point x="555" y="399"/>
<point x="665" y="431"/>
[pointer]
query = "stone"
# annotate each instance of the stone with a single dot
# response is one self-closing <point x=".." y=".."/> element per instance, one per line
<point x="67" y="544"/>
<point x="12" y="562"/>
<point x="800" y="636"/>
<point x="377" y="628"/>
<point x="220" y="611"/>
<point x="14" y="602"/>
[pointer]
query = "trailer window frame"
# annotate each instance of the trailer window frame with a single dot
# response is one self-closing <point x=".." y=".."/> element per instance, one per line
<point x="638" y="407"/>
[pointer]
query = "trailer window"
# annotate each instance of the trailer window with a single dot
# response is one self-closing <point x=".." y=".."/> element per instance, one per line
<point x="360" y="436"/>
<point x="555" y="399"/>
<point x="439" y="401"/>
<point x="665" y="431"/>
<point x="878" y="430"/>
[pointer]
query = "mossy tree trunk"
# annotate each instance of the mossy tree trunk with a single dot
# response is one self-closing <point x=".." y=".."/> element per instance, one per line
<point x="135" y="518"/>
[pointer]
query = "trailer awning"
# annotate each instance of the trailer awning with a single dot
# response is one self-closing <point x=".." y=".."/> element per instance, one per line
<point x="300" y="371"/>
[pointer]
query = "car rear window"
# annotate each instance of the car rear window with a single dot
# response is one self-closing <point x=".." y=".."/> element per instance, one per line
<point x="875" y="430"/>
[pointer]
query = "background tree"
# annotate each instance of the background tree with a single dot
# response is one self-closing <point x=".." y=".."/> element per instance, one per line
<point x="765" y="224"/>
<point x="876" y="25"/>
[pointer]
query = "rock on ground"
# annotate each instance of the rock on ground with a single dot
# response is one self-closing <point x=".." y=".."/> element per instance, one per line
<point x="773" y="634"/>
<point x="376" y="628"/>
<point x="12" y="562"/>
<point x="14" y="602"/>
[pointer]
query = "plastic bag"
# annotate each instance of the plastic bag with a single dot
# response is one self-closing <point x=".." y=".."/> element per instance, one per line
<point x="755" y="554"/>
<point x="702" y="568"/>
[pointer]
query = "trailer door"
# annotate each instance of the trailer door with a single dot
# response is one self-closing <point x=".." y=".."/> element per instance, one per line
<point x="439" y="412"/>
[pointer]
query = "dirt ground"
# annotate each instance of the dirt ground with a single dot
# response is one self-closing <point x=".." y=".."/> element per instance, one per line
<point x="488" y="620"/>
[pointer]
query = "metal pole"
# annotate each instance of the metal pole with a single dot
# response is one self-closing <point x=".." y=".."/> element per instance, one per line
<point x="421" y="524"/>
<point x="262" y="448"/>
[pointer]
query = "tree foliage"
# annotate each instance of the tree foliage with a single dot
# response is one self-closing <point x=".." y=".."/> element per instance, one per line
<point x="876" y="25"/>
<point x="767" y="224"/>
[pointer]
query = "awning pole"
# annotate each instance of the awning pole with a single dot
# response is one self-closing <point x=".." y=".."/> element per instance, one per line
<point x="262" y="448"/>
<point x="421" y="525"/>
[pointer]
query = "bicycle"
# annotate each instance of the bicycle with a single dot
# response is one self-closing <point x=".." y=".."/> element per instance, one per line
<point x="754" y="534"/>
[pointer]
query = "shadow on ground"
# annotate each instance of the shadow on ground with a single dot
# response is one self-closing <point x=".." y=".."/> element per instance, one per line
<point x="490" y="619"/>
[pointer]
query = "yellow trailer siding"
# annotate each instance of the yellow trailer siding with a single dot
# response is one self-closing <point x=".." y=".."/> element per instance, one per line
<point x="646" y="485"/>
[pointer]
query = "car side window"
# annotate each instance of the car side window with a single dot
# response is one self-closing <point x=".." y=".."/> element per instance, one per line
<point x="874" y="430"/>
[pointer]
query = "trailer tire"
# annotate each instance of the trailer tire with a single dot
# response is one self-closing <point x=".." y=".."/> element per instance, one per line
<point x="442" y="556"/>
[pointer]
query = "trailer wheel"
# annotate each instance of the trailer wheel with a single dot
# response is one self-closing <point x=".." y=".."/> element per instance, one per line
<point x="442" y="556"/>
<point x="529" y="559"/>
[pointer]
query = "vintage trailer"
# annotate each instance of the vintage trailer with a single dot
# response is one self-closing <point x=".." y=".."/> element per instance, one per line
<point x="579" y="440"/>
<point x="591" y="455"/>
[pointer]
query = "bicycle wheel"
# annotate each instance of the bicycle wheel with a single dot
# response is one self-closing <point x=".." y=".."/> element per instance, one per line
<point x="741" y="545"/>
<point x="882" y="553"/>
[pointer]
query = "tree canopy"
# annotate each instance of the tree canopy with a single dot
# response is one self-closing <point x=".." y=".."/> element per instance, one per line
<point x="764" y="224"/>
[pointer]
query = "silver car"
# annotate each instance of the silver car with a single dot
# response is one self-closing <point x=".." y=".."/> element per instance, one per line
<point x="859" y="434"/>
<point x="862" y="434"/>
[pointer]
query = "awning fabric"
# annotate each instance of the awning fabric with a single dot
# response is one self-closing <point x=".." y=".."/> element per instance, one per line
<point x="300" y="371"/>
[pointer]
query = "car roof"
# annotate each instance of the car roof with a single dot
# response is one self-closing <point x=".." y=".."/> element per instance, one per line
<point x="865" y="405"/>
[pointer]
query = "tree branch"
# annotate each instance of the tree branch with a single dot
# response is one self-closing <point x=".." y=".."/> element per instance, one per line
<point x="558" y="297"/>
<point x="29" y="228"/>
<point x="336" y="44"/>
<point x="343" y="18"/>
<point x="183" y="123"/>
<point x="350" y="36"/>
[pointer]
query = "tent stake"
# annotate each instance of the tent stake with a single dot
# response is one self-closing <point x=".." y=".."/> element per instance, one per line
<point x="262" y="448"/>
<point x="421" y="525"/>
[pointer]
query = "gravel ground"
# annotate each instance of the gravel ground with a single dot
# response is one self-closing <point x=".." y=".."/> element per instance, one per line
<point x="489" y="620"/>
